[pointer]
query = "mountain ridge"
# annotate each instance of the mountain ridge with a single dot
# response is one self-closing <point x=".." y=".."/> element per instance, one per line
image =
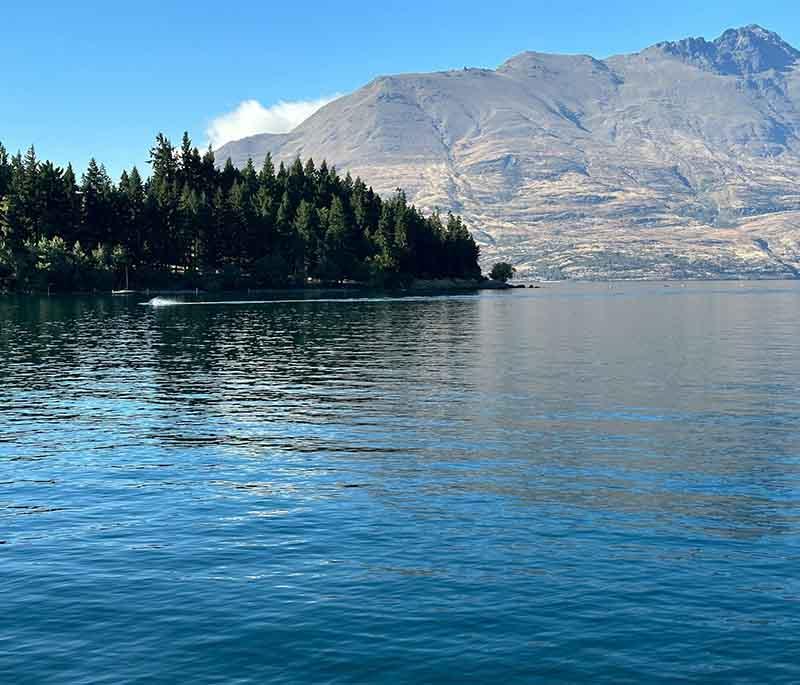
<point x="681" y="160"/>
<point x="748" y="50"/>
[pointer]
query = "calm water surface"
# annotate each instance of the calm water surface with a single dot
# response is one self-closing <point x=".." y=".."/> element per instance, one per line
<point x="578" y="483"/>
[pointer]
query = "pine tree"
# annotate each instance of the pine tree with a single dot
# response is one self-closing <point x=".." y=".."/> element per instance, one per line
<point x="190" y="167"/>
<point x="265" y="211"/>
<point x="228" y="176"/>
<point x="324" y="185"/>
<point x="307" y="230"/>
<point x="336" y="260"/>
<point x="191" y="219"/>
<point x="212" y="249"/>
<point x="97" y="212"/>
<point x="295" y="184"/>
<point x="280" y="180"/>
<point x="71" y="221"/>
<point x="188" y="215"/>
<point x="54" y="201"/>
<point x="162" y="160"/>
<point x="240" y="219"/>
<point x="5" y="171"/>
<point x="266" y="177"/>
<point x="208" y="172"/>
<point x="283" y="227"/>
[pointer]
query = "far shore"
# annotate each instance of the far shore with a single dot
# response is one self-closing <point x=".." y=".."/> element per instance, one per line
<point x="416" y="286"/>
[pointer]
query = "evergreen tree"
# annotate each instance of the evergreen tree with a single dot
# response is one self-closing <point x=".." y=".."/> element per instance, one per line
<point x="266" y="177"/>
<point x="131" y="213"/>
<point x="192" y="222"/>
<point x="54" y="202"/>
<point x="208" y="173"/>
<point x="97" y="215"/>
<point x="240" y="220"/>
<point x="191" y="166"/>
<point x="336" y="254"/>
<point x="163" y="162"/>
<point x="307" y="230"/>
<point x="5" y="171"/>
<point x="71" y="220"/>
<point x="265" y="236"/>
<point x="283" y="226"/>
<point x="228" y="176"/>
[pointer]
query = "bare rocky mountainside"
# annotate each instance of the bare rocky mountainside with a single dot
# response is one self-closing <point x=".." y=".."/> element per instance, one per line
<point x="682" y="160"/>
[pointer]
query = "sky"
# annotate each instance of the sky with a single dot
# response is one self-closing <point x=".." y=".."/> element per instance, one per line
<point x="87" y="79"/>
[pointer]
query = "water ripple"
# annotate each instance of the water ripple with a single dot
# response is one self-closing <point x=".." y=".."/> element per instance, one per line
<point x="563" y="485"/>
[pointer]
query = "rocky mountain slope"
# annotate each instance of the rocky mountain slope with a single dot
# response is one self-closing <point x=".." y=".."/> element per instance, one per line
<point x="682" y="160"/>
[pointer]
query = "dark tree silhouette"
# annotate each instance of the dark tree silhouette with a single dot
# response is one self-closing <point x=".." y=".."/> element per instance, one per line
<point x="193" y="224"/>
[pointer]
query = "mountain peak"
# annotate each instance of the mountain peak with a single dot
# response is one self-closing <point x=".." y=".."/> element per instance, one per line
<point x="737" y="52"/>
<point x="752" y="32"/>
<point x="753" y="49"/>
<point x="679" y="161"/>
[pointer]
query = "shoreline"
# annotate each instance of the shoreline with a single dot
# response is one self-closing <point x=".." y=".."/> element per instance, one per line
<point x="420" y="285"/>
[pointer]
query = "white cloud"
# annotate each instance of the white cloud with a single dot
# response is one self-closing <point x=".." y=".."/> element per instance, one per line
<point x="251" y="117"/>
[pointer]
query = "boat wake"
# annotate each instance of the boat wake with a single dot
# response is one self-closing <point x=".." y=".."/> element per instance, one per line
<point x="167" y="302"/>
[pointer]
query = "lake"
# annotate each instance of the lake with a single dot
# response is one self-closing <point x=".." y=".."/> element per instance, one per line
<point x="580" y="483"/>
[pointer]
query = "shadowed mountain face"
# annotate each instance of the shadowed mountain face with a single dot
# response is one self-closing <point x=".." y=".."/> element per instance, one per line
<point x="682" y="160"/>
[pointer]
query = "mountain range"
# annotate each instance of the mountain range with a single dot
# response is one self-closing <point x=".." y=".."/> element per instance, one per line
<point x="679" y="161"/>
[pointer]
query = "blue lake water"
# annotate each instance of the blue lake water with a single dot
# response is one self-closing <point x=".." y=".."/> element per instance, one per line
<point x="582" y="483"/>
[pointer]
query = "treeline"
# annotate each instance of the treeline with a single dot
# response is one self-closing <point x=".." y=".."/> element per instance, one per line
<point x="193" y="224"/>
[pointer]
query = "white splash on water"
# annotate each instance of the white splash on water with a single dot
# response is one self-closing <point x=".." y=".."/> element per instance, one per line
<point x="162" y="302"/>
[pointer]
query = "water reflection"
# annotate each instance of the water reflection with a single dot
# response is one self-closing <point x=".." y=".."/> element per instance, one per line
<point x="507" y="460"/>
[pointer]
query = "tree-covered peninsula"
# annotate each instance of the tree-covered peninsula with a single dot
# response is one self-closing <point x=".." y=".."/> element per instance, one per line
<point x="192" y="224"/>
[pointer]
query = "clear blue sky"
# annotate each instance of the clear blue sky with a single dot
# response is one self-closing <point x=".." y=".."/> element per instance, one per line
<point x="97" y="78"/>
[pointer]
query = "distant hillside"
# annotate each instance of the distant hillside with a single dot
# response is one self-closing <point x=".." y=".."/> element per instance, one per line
<point x="682" y="160"/>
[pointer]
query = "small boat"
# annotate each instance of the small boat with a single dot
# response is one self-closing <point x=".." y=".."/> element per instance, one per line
<point x="126" y="290"/>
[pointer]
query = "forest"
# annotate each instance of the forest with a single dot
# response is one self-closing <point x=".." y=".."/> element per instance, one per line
<point x="191" y="223"/>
